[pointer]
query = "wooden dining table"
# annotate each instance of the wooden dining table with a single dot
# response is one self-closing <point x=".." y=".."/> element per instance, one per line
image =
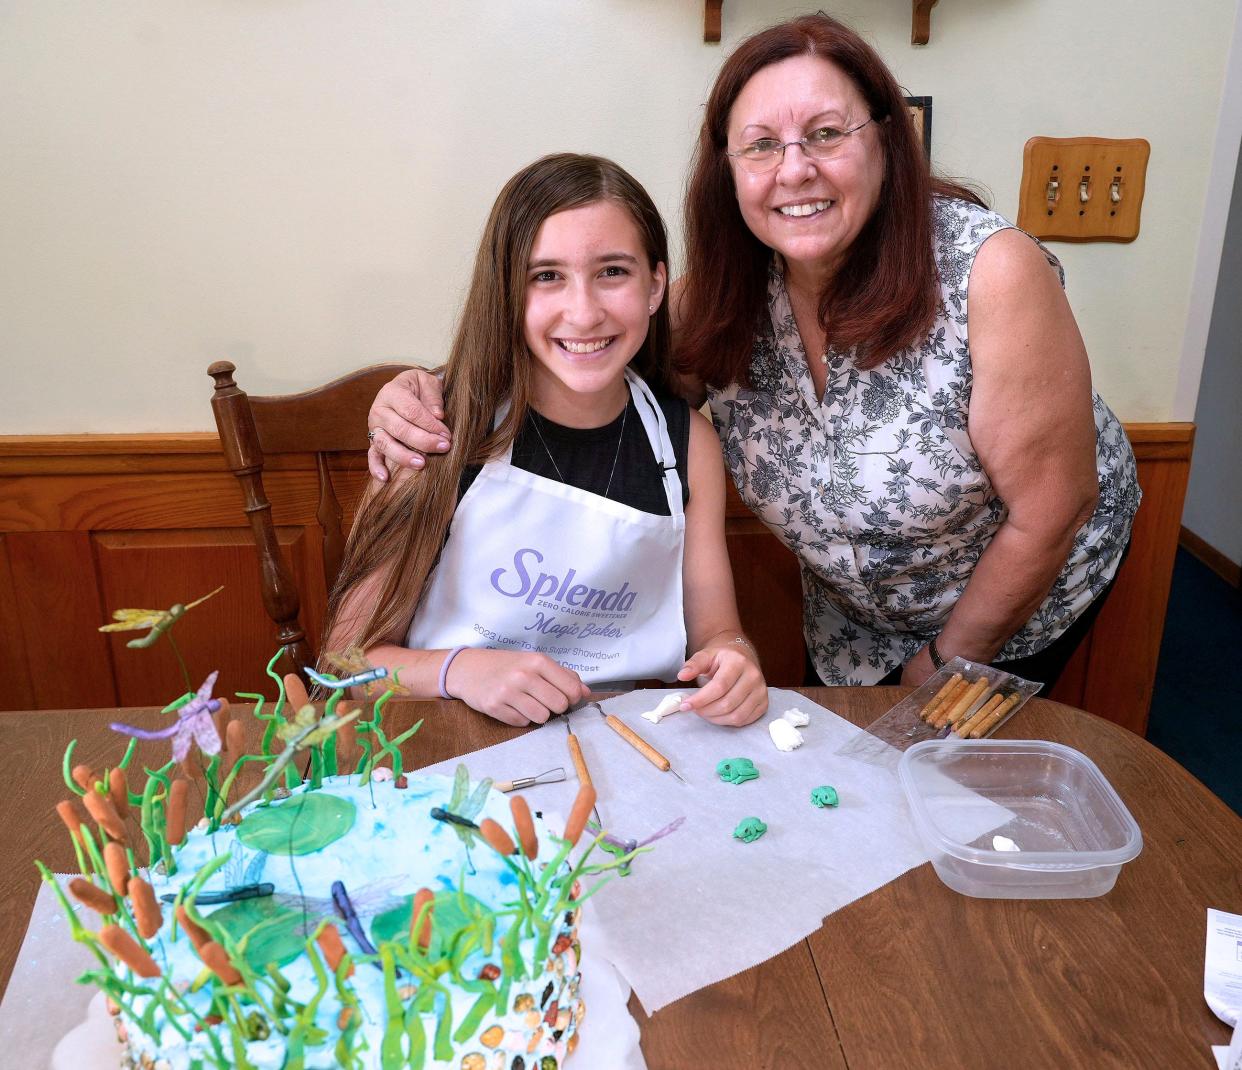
<point x="912" y="975"/>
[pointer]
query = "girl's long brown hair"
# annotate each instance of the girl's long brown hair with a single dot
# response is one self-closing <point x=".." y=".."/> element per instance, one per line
<point x="884" y="296"/>
<point x="401" y="525"/>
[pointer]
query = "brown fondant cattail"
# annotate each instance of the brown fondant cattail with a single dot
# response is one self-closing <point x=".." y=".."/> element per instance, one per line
<point x="295" y="691"/>
<point x="222" y="720"/>
<point x="92" y="895"/>
<point x="83" y="777"/>
<point x="146" y="907"/>
<point x="584" y="802"/>
<point x="174" y="829"/>
<point x="126" y="948"/>
<point x="423" y="897"/>
<point x="346" y="736"/>
<point x="118" y="791"/>
<point x="525" y="825"/>
<point x="497" y="838"/>
<point x="197" y="934"/>
<point x="118" y="867"/>
<point x="73" y="814"/>
<point x="101" y="809"/>
<point x="235" y="739"/>
<point x="329" y="940"/>
<point x="216" y="959"/>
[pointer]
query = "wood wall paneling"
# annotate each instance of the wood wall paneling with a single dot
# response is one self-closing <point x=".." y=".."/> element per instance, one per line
<point x="91" y="523"/>
<point x="1127" y="634"/>
<point x="59" y="609"/>
<point x="1113" y="670"/>
<point x="14" y="665"/>
<point x="769" y="591"/>
<point x="156" y="569"/>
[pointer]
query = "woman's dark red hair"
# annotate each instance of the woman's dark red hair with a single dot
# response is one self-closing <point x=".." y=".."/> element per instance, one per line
<point x="885" y="294"/>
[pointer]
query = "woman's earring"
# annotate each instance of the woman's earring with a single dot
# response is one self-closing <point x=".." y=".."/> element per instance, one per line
<point x="651" y="310"/>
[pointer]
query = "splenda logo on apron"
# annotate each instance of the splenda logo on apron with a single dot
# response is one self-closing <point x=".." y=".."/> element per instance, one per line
<point x="555" y="589"/>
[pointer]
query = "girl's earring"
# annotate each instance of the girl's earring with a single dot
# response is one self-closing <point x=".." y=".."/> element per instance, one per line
<point x="651" y="310"/>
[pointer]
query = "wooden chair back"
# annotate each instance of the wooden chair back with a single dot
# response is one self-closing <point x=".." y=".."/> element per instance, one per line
<point x="330" y="419"/>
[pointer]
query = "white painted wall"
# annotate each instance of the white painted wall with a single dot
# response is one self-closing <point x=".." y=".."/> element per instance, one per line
<point x="1214" y="497"/>
<point x="299" y="186"/>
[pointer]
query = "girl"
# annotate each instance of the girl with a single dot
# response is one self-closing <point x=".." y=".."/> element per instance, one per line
<point x="574" y="538"/>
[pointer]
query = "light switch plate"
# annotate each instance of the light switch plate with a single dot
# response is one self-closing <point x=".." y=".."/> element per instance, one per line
<point x="1083" y="188"/>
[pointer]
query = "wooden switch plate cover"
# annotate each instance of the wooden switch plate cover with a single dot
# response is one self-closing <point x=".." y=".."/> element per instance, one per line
<point x="1104" y="164"/>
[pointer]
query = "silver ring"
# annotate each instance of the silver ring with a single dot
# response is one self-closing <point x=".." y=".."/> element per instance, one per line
<point x="371" y="434"/>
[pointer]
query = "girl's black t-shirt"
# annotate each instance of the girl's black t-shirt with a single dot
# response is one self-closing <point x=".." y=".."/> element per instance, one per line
<point x="583" y="457"/>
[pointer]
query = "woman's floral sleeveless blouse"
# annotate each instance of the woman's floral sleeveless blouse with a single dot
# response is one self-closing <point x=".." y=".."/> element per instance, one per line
<point x="877" y="488"/>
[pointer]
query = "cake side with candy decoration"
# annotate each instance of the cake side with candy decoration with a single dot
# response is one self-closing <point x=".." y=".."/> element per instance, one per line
<point x="340" y="913"/>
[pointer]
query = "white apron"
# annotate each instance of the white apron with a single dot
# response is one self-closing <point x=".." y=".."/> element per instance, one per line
<point x="534" y="564"/>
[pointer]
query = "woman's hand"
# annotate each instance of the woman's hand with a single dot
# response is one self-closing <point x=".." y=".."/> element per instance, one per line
<point x="518" y="688"/>
<point x="406" y="419"/>
<point x="733" y="690"/>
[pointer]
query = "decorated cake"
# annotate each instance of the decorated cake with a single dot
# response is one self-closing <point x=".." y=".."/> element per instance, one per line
<point x="339" y="913"/>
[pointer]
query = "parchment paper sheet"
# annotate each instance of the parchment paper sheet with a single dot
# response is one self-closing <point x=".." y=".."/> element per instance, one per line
<point x="702" y="905"/>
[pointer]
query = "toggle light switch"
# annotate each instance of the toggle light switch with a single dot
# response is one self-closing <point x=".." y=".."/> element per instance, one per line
<point x="1085" y="164"/>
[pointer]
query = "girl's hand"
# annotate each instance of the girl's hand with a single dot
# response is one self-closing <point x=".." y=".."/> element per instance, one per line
<point x="734" y="692"/>
<point x="406" y="422"/>
<point x="516" y="687"/>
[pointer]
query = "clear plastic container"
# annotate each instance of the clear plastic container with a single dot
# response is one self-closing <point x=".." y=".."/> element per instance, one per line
<point x="1017" y="819"/>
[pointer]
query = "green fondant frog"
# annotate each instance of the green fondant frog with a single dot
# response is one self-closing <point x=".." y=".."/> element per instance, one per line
<point x="737" y="770"/>
<point x="824" y="796"/>
<point x="749" y="829"/>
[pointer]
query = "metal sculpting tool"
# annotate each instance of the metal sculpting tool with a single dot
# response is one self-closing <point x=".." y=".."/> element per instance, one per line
<point x="552" y="776"/>
<point x="580" y="767"/>
<point x="637" y="742"/>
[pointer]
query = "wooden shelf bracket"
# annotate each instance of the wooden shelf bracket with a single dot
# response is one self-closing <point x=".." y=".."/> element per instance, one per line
<point x="920" y="21"/>
<point x="711" y="20"/>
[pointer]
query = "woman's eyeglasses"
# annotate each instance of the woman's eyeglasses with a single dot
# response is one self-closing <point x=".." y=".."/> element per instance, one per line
<point x="821" y="143"/>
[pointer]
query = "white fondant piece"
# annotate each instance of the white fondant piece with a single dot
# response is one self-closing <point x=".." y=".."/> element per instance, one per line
<point x="667" y="705"/>
<point x="784" y="735"/>
<point x="796" y="717"/>
<point x="1004" y="843"/>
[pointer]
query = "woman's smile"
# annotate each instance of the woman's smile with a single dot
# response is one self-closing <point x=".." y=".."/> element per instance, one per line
<point x="804" y="209"/>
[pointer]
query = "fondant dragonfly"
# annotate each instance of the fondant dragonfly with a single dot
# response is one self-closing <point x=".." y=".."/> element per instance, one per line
<point x="619" y="848"/>
<point x="358" y="672"/>
<point x="194" y="724"/>
<point x="158" y="620"/>
<point x="242" y="881"/>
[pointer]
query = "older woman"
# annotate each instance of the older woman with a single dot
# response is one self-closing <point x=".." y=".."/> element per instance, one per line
<point x="896" y="377"/>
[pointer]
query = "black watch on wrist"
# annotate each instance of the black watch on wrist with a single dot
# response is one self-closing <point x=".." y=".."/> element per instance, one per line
<point x="937" y="660"/>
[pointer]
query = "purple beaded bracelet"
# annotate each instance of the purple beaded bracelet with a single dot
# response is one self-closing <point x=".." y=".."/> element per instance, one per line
<point x="445" y="668"/>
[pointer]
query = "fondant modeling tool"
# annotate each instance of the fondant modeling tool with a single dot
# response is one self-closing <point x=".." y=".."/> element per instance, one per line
<point x="637" y="742"/>
<point x="552" y="776"/>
